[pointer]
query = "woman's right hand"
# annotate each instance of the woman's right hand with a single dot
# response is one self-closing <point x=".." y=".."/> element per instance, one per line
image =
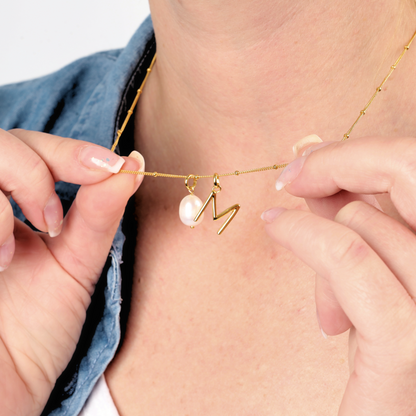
<point x="46" y="281"/>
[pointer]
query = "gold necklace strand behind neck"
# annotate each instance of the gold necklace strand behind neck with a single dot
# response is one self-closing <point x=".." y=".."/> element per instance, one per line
<point x="191" y="209"/>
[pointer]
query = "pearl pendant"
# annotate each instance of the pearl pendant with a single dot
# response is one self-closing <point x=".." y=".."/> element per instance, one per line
<point x="188" y="210"/>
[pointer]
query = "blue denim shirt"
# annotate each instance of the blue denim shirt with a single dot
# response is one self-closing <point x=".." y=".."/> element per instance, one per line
<point x="86" y="100"/>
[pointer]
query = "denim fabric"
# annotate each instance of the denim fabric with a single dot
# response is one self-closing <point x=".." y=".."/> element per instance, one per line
<point x="86" y="100"/>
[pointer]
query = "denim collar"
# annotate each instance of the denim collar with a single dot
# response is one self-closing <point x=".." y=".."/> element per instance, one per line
<point x="98" y="121"/>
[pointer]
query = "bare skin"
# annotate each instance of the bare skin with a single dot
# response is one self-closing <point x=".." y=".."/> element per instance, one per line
<point x="227" y="325"/>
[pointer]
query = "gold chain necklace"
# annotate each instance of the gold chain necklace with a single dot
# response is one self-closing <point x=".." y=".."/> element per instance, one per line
<point x="191" y="209"/>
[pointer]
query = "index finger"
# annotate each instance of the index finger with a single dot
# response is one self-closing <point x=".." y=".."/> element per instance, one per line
<point x="30" y="163"/>
<point x="367" y="290"/>
<point x="370" y="165"/>
<point x="70" y="160"/>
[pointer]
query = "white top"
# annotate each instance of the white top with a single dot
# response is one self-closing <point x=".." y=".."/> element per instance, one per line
<point x="100" y="402"/>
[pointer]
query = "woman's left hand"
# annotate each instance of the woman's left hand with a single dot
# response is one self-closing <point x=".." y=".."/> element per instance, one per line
<point x="365" y="261"/>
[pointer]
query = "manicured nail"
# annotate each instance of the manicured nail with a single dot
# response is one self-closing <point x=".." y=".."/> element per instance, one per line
<point x="53" y="215"/>
<point x="311" y="149"/>
<point x="320" y="327"/>
<point x="312" y="138"/>
<point x="6" y="253"/>
<point x="100" y="158"/>
<point x="290" y="172"/>
<point x="136" y="155"/>
<point x="271" y="214"/>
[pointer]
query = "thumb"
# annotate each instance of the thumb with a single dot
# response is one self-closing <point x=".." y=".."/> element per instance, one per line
<point x="92" y="221"/>
<point x="329" y="206"/>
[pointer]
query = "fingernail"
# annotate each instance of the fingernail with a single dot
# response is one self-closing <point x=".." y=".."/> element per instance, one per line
<point x="6" y="253"/>
<point x="100" y="158"/>
<point x="271" y="214"/>
<point x="320" y="327"/>
<point x="312" y="138"/>
<point x="53" y="215"/>
<point x="136" y="155"/>
<point x="290" y="172"/>
<point x="311" y="149"/>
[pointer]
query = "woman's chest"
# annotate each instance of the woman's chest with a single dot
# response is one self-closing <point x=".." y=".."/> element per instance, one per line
<point x="226" y="333"/>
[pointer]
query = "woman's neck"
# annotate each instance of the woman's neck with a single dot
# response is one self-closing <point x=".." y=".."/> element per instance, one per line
<point x="234" y="86"/>
<point x="237" y="82"/>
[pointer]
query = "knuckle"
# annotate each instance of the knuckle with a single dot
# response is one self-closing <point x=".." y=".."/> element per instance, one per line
<point x="39" y="172"/>
<point x="29" y="169"/>
<point x="407" y="165"/>
<point x="352" y="213"/>
<point x="59" y="149"/>
<point x="347" y="251"/>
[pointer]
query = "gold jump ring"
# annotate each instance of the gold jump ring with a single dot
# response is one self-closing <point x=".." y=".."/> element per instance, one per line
<point x="190" y="188"/>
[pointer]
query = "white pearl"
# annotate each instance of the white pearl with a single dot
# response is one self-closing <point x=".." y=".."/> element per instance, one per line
<point x="188" y="210"/>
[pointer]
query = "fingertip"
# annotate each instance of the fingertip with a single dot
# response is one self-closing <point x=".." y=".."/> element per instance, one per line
<point x="136" y="155"/>
<point x="103" y="203"/>
<point x="320" y="326"/>
<point x="290" y="173"/>
<point x="302" y="144"/>
<point x="99" y="158"/>
<point x="307" y="151"/>
<point x="53" y="215"/>
<point x="279" y="185"/>
<point x="55" y="232"/>
<point x="270" y="215"/>
<point x="138" y="168"/>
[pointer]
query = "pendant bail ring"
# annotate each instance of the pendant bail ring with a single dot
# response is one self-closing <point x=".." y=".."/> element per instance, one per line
<point x="191" y="188"/>
<point x="217" y="187"/>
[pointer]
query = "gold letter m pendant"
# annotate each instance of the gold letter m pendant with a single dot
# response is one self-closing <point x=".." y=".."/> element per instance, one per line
<point x="213" y="195"/>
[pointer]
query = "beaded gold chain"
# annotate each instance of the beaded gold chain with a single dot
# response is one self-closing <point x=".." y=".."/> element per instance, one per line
<point x="191" y="205"/>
